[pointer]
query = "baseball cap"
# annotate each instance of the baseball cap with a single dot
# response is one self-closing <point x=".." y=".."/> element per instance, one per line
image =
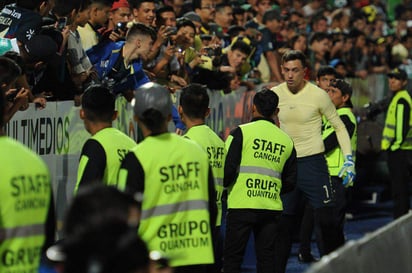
<point x="152" y="96"/>
<point x="41" y="48"/>
<point x="119" y="4"/>
<point x="398" y="73"/>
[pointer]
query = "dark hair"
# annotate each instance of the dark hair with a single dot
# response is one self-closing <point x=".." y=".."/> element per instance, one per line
<point x="153" y="120"/>
<point x="141" y="29"/>
<point x="266" y="102"/>
<point x="98" y="103"/>
<point x="184" y="22"/>
<point x="242" y="47"/>
<point x="30" y="4"/>
<point x="63" y="8"/>
<point x="110" y="247"/>
<point x="162" y="10"/>
<point x="326" y="70"/>
<point x="196" y="4"/>
<point x="319" y="36"/>
<point x="194" y="100"/>
<point x="102" y="2"/>
<point x="135" y="4"/>
<point x="9" y="71"/>
<point x="17" y="58"/>
<point x="317" y="18"/>
<point x="95" y="204"/>
<point x="292" y="55"/>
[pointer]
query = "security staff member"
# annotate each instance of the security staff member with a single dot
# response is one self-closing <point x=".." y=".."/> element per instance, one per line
<point x="27" y="222"/>
<point x="101" y="154"/>
<point x="193" y="110"/>
<point x="340" y="93"/>
<point x="173" y="175"/>
<point x="397" y="140"/>
<point x="260" y="165"/>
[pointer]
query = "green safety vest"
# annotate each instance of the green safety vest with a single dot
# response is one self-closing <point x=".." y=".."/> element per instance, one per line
<point x="175" y="208"/>
<point x="390" y="140"/>
<point x="335" y="157"/>
<point x="215" y="149"/>
<point x="25" y="197"/>
<point x="265" y="150"/>
<point x="116" y="145"/>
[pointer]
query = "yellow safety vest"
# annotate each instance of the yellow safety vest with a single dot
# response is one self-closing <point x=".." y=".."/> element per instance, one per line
<point x="215" y="149"/>
<point x="265" y="150"/>
<point x="116" y="145"/>
<point x="335" y="158"/>
<point x="25" y="197"/>
<point x="175" y="209"/>
<point x="392" y="138"/>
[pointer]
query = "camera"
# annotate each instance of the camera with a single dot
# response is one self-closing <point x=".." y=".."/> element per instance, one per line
<point x="212" y="52"/>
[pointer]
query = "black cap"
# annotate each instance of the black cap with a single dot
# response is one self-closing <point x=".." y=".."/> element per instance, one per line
<point x="398" y="73"/>
<point x="41" y="48"/>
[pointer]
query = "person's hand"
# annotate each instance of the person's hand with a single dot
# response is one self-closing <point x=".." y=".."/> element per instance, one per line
<point x="116" y="35"/>
<point x="40" y="102"/>
<point x="179" y="80"/>
<point x="169" y="52"/>
<point x="227" y="68"/>
<point x="348" y="171"/>
<point x="22" y="99"/>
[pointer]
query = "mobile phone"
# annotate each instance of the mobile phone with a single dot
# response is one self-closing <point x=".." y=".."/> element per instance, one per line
<point x="120" y="26"/>
<point x="61" y="23"/>
<point x="172" y="30"/>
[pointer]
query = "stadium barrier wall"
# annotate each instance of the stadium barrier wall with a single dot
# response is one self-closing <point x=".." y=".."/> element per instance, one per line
<point x="388" y="249"/>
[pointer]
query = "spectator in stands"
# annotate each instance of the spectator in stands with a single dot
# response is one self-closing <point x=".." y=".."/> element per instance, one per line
<point x="165" y="25"/>
<point x="119" y="17"/>
<point x="57" y="79"/>
<point x="22" y="81"/>
<point x="239" y="17"/>
<point x="272" y="22"/>
<point x="224" y="66"/>
<point x="206" y="9"/>
<point x="260" y="7"/>
<point x="14" y="99"/>
<point x="80" y="68"/>
<point x="144" y="11"/>
<point x="319" y="23"/>
<point x="23" y="19"/>
<point x="223" y="17"/>
<point x="340" y="21"/>
<point x="319" y="46"/>
<point x="165" y="65"/>
<point x="312" y="7"/>
<point x="177" y="6"/>
<point x="99" y="15"/>
<point x="119" y="65"/>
